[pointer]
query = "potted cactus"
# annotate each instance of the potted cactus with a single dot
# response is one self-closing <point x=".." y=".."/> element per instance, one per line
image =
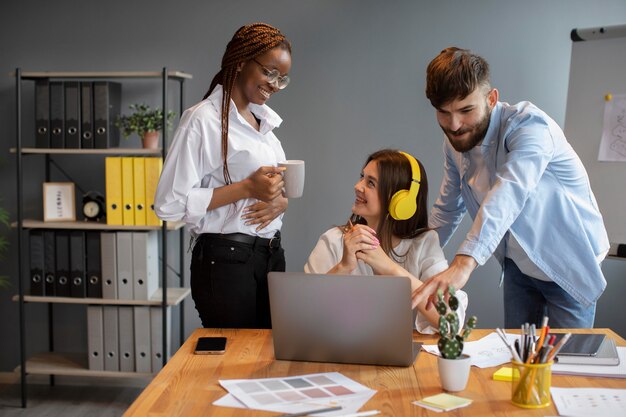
<point x="453" y="365"/>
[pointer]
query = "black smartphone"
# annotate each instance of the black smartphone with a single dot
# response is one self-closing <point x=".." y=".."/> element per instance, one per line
<point x="210" y="346"/>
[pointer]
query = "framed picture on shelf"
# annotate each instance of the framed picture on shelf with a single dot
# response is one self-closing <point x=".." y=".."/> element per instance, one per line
<point x="58" y="202"/>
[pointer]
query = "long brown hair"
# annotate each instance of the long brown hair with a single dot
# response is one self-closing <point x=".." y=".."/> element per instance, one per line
<point x="394" y="174"/>
<point x="248" y="42"/>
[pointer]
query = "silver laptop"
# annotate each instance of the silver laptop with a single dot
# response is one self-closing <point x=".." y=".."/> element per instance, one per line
<point x="342" y="318"/>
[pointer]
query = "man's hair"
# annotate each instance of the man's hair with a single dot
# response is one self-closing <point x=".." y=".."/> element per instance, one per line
<point x="247" y="43"/>
<point x="454" y="74"/>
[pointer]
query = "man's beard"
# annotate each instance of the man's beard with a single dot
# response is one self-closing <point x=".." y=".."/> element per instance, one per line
<point x="477" y="134"/>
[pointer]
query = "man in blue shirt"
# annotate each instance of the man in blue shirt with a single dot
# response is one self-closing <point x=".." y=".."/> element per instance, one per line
<point x="527" y="192"/>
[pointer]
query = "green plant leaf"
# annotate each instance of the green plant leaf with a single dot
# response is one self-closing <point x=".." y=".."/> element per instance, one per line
<point x="143" y="119"/>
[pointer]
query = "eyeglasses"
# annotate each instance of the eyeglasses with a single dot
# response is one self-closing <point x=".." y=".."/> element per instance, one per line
<point x="274" y="77"/>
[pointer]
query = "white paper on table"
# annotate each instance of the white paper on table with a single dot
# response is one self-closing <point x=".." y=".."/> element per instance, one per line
<point x="348" y="406"/>
<point x="229" y="400"/>
<point x="589" y="401"/>
<point x="293" y="394"/>
<point x="484" y="353"/>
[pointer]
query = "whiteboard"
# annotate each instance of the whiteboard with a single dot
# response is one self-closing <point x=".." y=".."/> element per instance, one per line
<point x="598" y="67"/>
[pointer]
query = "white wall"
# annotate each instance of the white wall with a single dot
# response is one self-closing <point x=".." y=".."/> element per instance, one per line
<point x="357" y="86"/>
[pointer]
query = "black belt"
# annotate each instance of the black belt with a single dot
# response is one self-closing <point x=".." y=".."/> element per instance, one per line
<point x="273" y="242"/>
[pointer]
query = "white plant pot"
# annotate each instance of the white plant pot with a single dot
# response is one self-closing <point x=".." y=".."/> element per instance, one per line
<point x="454" y="373"/>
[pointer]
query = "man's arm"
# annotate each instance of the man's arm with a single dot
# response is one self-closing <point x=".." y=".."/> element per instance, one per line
<point x="449" y="208"/>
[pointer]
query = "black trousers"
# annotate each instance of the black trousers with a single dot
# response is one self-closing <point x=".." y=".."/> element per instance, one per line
<point x="229" y="280"/>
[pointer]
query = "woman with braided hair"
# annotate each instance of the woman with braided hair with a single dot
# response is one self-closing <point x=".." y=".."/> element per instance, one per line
<point x="220" y="177"/>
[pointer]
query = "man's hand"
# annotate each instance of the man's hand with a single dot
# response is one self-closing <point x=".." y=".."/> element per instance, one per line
<point x="263" y="213"/>
<point x="456" y="275"/>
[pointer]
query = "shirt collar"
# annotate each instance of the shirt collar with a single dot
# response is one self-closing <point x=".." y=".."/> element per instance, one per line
<point x="269" y="118"/>
<point x="492" y="131"/>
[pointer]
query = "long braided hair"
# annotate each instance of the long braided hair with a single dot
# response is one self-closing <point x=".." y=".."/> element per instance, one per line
<point x="248" y="42"/>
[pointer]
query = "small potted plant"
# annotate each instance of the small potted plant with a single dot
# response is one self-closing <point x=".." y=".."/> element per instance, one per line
<point x="453" y="365"/>
<point x="145" y="122"/>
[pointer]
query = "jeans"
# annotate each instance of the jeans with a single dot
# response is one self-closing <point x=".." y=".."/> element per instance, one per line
<point x="229" y="282"/>
<point x="527" y="300"/>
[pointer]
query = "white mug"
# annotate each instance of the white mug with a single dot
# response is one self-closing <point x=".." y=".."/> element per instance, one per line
<point x="293" y="177"/>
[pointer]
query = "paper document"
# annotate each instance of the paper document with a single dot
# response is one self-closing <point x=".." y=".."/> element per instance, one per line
<point x="294" y="394"/>
<point x="613" y="143"/>
<point x="589" y="402"/>
<point x="484" y="353"/>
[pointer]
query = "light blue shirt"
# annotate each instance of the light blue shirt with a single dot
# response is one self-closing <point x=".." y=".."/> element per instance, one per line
<point x="479" y="182"/>
<point x="539" y="193"/>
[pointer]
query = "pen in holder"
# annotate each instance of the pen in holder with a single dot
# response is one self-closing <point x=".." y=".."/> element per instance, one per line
<point x="531" y="384"/>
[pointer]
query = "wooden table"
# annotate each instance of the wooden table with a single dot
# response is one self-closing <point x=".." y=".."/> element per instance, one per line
<point x="188" y="385"/>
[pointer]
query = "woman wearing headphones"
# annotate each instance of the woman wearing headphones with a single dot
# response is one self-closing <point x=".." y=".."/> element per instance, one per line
<point x="387" y="233"/>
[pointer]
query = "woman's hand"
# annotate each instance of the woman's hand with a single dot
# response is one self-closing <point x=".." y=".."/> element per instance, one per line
<point x="266" y="183"/>
<point x="263" y="213"/>
<point x="359" y="238"/>
<point x="380" y="262"/>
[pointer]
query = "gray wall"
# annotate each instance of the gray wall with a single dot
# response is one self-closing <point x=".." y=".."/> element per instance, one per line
<point x="358" y="80"/>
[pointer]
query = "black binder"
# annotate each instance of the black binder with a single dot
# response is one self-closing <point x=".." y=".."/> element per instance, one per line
<point x="36" y="262"/>
<point x="49" y="263"/>
<point x="72" y="114"/>
<point x="42" y="113"/>
<point x="86" y="114"/>
<point x="107" y="98"/>
<point x="78" y="287"/>
<point x="62" y="287"/>
<point x="94" y="267"/>
<point x="57" y="118"/>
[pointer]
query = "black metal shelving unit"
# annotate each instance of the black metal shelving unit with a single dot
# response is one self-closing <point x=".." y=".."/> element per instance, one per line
<point x="176" y="295"/>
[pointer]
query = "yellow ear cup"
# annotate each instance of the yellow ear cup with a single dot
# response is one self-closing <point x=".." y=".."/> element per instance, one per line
<point x="403" y="204"/>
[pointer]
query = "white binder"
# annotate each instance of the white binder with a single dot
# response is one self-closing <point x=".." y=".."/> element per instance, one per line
<point x="127" y="339"/>
<point x="95" y="338"/>
<point x="108" y="253"/>
<point x="124" y="265"/>
<point x="143" y="358"/>
<point x="111" y="339"/>
<point x="156" y="335"/>
<point x="145" y="264"/>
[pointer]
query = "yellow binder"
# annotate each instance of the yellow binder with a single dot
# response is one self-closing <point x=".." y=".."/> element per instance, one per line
<point x="153" y="172"/>
<point x="113" y="179"/>
<point x="139" y="185"/>
<point x="128" y="216"/>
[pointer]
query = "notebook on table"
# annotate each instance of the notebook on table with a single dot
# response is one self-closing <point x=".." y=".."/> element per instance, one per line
<point x="342" y="318"/>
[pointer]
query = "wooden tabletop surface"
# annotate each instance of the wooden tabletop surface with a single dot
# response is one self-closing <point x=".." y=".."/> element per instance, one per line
<point x="188" y="385"/>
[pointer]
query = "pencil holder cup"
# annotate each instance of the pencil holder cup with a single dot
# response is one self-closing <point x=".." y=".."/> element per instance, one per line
<point x="531" y="384"/>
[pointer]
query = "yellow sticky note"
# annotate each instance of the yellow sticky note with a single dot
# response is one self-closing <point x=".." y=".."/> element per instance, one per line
<point x="505" y="374"/>
<point x="446" y="401"/>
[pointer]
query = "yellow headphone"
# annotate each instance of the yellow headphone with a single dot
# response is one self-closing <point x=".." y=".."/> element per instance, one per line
<point x="403" y="205"/>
